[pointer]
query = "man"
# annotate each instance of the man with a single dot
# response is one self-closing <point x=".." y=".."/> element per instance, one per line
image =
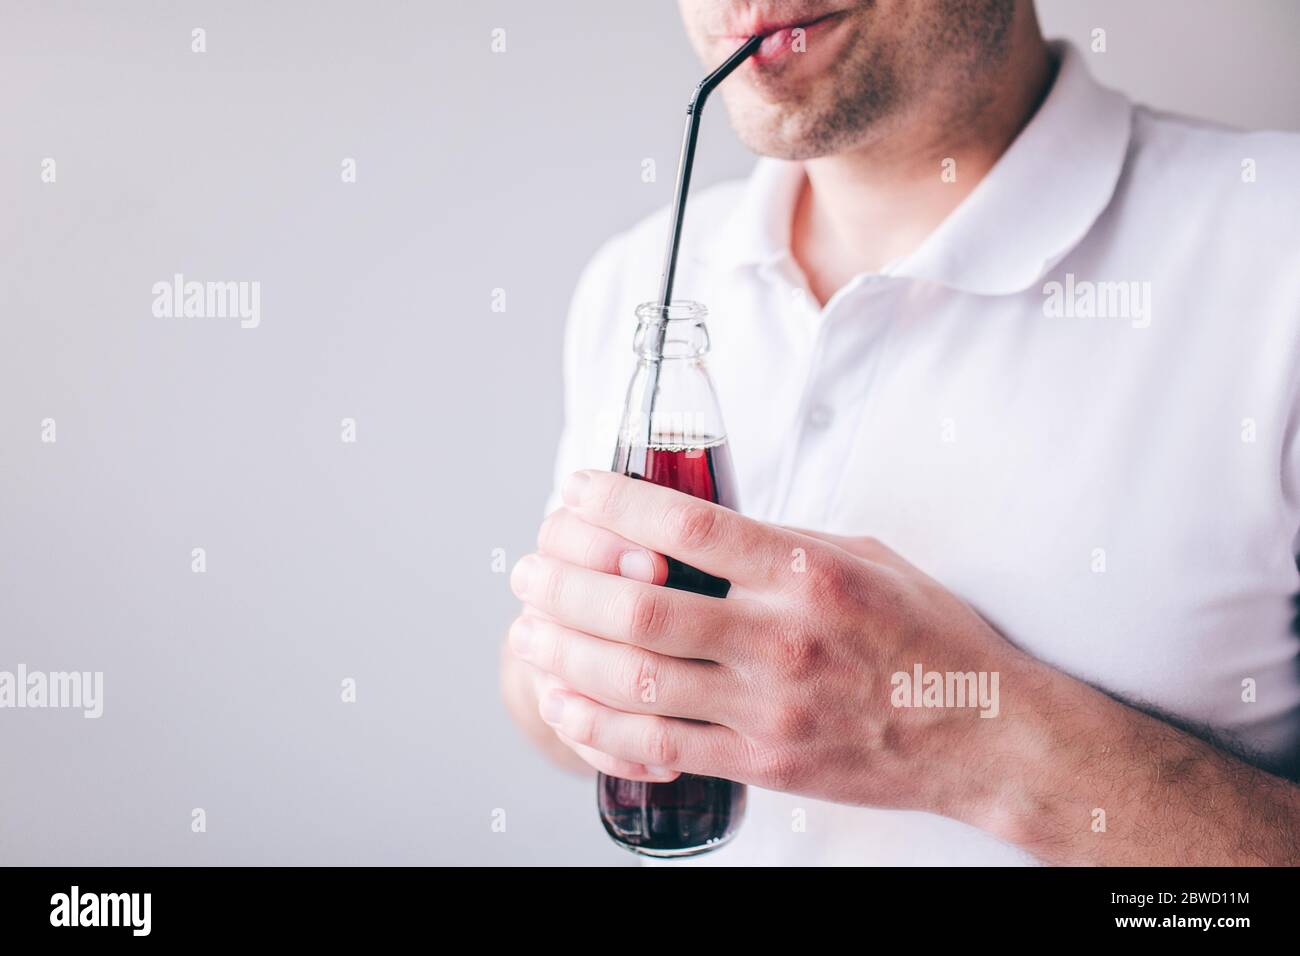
<point x="1010" y="370"/>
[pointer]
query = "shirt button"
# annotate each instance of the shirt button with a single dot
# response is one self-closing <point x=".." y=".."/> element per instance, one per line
<point x="819" y="416"/>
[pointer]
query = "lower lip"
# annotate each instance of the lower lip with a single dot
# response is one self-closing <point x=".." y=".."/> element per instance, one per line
<point x="779" y="44"/>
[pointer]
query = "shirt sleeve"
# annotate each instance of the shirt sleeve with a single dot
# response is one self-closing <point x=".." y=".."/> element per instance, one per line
<point x="1291" y="466"/>
<point x="589" y="417"/>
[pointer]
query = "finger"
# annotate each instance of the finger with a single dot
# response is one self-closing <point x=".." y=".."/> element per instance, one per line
<point x="704" y="535"/>
<point x="671" y="622"/>
<point x="614" y="767"/>
<point x="624" y="676"/>
<point x="655" y="742"/>
<point x="543" y="683"/>
<point x="565" y="536"/>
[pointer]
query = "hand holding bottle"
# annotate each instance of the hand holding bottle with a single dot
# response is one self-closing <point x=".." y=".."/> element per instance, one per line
<point x="788" y="682"/>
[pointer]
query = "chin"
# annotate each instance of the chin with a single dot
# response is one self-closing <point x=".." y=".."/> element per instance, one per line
<point x="787" y="135"/>
<point x="778" y="148"/>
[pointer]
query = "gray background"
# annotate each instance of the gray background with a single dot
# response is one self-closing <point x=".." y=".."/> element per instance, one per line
<point x="329" y="560"/>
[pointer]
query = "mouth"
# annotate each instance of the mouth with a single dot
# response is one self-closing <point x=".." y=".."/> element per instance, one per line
<point x="779" y="36"/>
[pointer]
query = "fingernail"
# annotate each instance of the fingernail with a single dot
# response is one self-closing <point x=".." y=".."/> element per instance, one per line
<point x="522" y="574"/>
<point x="575" y="487"/>
<point x="552" y="707"/>
<point x="521" y="636"/>
<point x="658" y="771"/>
<point x="637" y="565"/>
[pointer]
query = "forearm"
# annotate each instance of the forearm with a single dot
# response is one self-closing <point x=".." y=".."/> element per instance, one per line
<point x="1097" y="782"/>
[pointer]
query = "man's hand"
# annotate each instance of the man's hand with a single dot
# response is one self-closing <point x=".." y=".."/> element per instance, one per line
<point x="790" y="683"/>
<point x="787" y="683"/>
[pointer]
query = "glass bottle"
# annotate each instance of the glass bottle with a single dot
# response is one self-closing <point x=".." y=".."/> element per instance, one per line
<point x="685" y="448"/>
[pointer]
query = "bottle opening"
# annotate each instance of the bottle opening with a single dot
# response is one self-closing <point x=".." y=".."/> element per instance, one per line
<point x="677" y="310"/>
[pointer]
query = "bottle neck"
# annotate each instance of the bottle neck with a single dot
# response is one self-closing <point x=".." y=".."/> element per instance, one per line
<point x="670" y="400"/>
<point x="675" y="332"/>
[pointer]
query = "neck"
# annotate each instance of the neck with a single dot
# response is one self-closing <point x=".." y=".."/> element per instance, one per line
<point x="862" y="208"/>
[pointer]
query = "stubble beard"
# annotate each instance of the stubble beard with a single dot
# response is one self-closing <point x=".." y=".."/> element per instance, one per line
<point x="874" y="88"/>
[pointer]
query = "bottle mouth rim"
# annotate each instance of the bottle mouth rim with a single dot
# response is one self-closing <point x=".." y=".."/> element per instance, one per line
<point x="678" y="310"/>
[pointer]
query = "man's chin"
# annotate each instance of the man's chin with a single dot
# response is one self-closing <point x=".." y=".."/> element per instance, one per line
<point x="781" y="142"/>
<point x="787" y="151"/>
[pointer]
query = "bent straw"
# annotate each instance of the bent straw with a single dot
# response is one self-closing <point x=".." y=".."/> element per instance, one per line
<point x="687" y="161"/>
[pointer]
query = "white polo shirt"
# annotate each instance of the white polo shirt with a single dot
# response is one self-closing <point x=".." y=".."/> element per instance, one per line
<point x="1075" y="405"/>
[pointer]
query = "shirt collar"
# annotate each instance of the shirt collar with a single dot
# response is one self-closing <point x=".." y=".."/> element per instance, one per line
<point x="1036" y="204"/>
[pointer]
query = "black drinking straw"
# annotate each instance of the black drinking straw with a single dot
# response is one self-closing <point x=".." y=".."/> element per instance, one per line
<point x="693" y="111"/>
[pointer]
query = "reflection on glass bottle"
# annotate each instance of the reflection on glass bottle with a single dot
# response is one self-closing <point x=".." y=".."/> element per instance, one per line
<point x="684" y="447"/>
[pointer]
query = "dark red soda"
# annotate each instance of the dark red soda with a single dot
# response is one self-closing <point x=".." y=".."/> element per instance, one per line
<point x="691" y="814"/>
